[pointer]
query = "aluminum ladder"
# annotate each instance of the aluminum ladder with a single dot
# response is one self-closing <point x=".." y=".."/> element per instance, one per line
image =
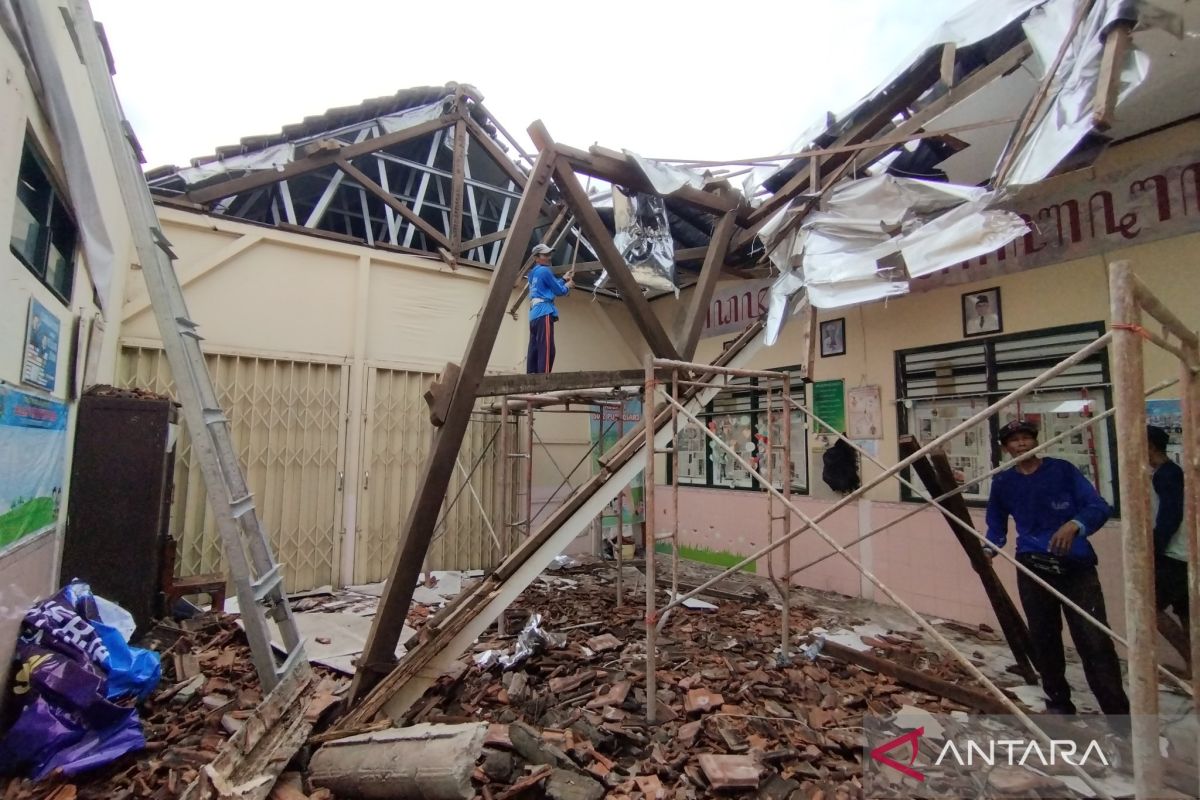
<point x="257" y="577"/>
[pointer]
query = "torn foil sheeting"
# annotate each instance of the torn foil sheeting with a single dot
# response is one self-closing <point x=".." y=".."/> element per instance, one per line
<point x="786" y="300"/>
<point x="275" y="157"/>
<point x="1067" y="118"/>
<point x="643" y="238"/>
<point x="665" y="178"/>
<point x="972" y="24"/>
<point x="532" y="640"/>
<point x="959" y="235"/>
<point x="853" y="293"/>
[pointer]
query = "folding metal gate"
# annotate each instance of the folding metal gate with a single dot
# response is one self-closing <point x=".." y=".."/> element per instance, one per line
<point x="396" y="438"/>
<point x="287" y="422"/>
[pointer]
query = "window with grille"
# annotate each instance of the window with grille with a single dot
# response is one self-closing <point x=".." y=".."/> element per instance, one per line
<point x="43" y="233"/>
<point x="742" y="419"/>
<point x="942" y="386"/>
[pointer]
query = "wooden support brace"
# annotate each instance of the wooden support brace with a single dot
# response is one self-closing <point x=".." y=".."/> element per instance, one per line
<point x="379" y="652"/>
<point x="498" y="385"/>
<point x="1116" y="45"/>
<point x="440" y="392"/>
<point x="690" y="323"/>
<point x="457" y="186"/>
<point x="938" y="478"/>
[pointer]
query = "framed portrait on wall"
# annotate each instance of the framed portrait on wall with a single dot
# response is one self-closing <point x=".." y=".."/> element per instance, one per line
<point x="833" y="337"/>
<point x="981" y="312"/>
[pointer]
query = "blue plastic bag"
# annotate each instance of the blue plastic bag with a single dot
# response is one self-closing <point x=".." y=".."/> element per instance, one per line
<point x="132" y="671"/>
<point x="71" y="666"/>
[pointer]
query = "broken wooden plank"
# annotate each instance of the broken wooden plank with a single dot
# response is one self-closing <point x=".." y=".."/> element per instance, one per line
<point x="1116" y="45"/>
<point x="938" y="477"/>
<point x="691" y="321"/>
<point x="971" y="698"/>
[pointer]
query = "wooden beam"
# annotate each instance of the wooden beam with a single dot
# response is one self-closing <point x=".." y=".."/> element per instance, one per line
<point x="362" y="179"/>
<point x="691" y="322"/>
<point x="497" y="385"/>
<point x="601" y="241"/>
<point x="1034" y="108"/>
<point x="946" y="73"/>
<point x="938" y="477"/>
<point x="879" y="123"/>
<point x="964" y="695"/>
<point x="1116" y="45"/>
<point x="457" y="186"/>
<point x="482" y="240"/>
<point x="624" y="172"/>
<point x="378" y="655"/>
<point x="208" y="194"/>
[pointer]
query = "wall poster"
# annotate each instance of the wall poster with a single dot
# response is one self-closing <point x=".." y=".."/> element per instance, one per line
<point x="866" y="413"/>
<point x="829" y="405"/>
<point x="39" y="367"/>
<point x="33" y="457"/>
<point x="608" y="424"/>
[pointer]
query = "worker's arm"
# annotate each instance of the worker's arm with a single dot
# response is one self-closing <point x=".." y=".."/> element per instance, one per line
<point x="997" y="522"/>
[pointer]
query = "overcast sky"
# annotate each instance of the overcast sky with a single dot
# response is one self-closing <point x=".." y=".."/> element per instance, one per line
<point x="702" y="80"/>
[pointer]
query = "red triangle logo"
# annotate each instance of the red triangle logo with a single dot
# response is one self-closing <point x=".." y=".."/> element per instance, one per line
<point x="912" y="739"/>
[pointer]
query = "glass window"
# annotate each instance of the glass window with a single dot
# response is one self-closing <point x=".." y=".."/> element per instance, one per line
<point x="742" y="421"/>
<point x="43" y="234"/>
<point x="941" y="387"/>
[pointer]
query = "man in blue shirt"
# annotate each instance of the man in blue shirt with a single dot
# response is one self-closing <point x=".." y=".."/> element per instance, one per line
<point x="543" y="288"/>
<point x="1056" y="509"/>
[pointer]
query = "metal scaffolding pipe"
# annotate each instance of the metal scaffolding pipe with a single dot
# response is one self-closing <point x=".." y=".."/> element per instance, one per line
<point x="648" y="408"/>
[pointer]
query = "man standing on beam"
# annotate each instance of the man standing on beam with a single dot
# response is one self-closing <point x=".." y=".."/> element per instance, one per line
<point x="543" y="288"/>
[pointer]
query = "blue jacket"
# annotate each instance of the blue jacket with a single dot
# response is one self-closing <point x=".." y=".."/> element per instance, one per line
<point x="543" y="288"/>
<point x="1055" y="493"/>
<point x="1168" y="485"/>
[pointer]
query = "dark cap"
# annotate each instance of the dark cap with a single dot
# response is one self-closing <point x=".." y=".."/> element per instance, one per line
<point x="1017" y="426"/>
<point x="1158" y="437"/>
<point x="982" y="298"/>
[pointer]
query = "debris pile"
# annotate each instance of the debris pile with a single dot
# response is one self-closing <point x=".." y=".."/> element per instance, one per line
<point x="209" y="687"/>
<point x="569" y="722"/>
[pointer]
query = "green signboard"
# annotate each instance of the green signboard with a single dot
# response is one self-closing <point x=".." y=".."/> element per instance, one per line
<point x="829" y="404"/>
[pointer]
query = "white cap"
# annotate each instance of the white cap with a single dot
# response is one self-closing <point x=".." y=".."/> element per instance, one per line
<point x="541" y="249"/>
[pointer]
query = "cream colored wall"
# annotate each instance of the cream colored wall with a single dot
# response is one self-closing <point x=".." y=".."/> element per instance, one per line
<point x="29" y="568"/>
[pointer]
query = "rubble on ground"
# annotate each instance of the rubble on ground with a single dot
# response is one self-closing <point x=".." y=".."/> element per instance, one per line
<point x="569" y="722"/>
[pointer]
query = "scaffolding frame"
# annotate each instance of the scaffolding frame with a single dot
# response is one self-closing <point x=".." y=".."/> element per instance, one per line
<point x="1129" y="298"/>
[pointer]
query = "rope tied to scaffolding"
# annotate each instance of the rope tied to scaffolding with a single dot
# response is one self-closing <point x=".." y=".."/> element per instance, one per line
<point x="1129" y="326"/>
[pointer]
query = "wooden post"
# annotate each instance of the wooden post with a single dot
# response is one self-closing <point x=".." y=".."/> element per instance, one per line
<point x="457" y="182"/>
<point x="1190" y="394"/>
<point x="691" y="322"/>
<point x="649" y="403"/>
<point x="379" y="652"/>
<point x="1137" y="544"/>
<point x="528" y="526"/>
<point x="938" y="479"/>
